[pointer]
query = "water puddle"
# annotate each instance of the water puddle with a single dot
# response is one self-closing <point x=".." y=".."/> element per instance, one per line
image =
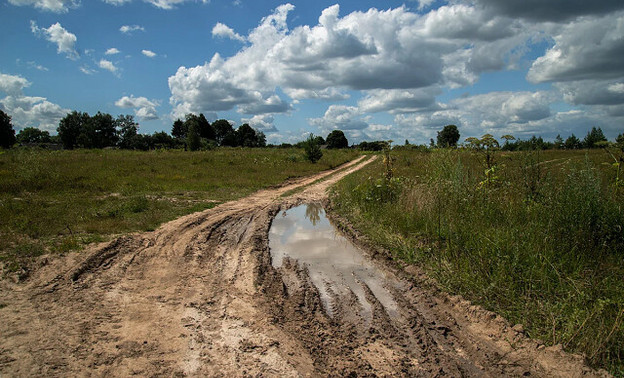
<point x="334" y="264"/>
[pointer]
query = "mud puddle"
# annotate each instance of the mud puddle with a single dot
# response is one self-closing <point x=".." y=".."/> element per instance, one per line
<point x="335" y="266"/>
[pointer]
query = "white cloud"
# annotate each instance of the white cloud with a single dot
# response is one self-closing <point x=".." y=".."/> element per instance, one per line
<point x="590" y="48"/>
<point x="64" y="40"/>
<point x="399" y="100"/>
<point x="57" y="6"/>
<point x="224" y="31"/>
<point x="12" y="84"/>
<point x="148" y="53"/>
<point x="261" y="122"/>
<point x="87" y="70"/>
<point x="112" y="51"/>
<point x="108" y="65"/>
<point x="143" y="108"/>
<point x="128" y="29"/>
<point x="162" y="4"/>
<point x="551" y="10"/>
<point x="340" y="117"/>
<point x="25" y="110"/>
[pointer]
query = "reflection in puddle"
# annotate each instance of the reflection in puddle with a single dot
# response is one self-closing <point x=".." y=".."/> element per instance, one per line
<point x="304" y="234"/>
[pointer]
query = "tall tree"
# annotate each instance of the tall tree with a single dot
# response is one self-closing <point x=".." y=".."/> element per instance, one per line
<point x="559" y="144"/>
<point x="206" y="130"/>
<point x="179" y="129"/>
<point x="593" y="137"/>
<point x="193" y="139"/>
<point x="224" y="132"/>
<point x="312" y="151"/>
<point x="448" y="137"/>
<point x="572" y="143"/>
<point x="70" y="127"/>
<point x="7" y="133"/>
<point x="127" y="130"/>
<point x="100" y="131"/>
<point x="337" y="139"/>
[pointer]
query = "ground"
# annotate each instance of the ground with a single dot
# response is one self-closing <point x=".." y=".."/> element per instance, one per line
<point x="199" y="296"/>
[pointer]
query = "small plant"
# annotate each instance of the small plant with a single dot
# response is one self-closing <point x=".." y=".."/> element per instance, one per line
<point x="389" y="172"/>
<point x="312" y="150"/>
<point x="616" y="151"/>
<point x="487" y="146"/>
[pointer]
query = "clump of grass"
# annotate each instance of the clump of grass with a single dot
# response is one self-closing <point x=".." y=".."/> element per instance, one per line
<point x="543" y="247"/>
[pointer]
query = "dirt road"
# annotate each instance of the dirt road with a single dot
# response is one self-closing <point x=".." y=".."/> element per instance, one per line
<point x="200" y="297"/>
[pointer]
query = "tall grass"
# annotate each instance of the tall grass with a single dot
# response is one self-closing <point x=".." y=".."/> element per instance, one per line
<point x="55" y="201"/>
<point x="543" y="244"/>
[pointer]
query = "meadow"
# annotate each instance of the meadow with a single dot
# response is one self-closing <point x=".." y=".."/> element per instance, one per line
<point x="58" y="201"/>
<point x="538" y="239"/>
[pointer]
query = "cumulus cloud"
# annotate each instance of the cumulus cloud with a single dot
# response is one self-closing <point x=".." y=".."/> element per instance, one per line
<point x="108" y="65"/>
<point x="112" y="51"/>
<point x="57" y="6"/>
<point x="148" y="53"/>
<point x="590" y="48"/>
<point x="400" y="100"/>
<point x="340" y="117"/>
<point x="128" y="29"/>
<point x="64" y="40"/>
<point x="162" y="4"/>
<point x="27" y="111"/>
<point x="224" y="31"/>
<point x="143" y="108"/>
<point x="551" y="10"/>
<point x="393" y="50"/>
<point x="262" y="122"/>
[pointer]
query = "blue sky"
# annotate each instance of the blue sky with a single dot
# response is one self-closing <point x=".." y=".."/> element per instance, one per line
<point x="374" y="69"/>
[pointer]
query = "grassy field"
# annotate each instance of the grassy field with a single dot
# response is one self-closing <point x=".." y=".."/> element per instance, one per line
<point x="540" y="240"/>
<point x="56" y="201"/>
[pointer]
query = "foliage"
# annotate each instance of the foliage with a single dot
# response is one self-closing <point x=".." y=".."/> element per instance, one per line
<point x="223" y="132"/>
<point x="593" y="137"/>
<point x="179" y="129"/>
<point x="544" y="250"/>
<point x="193" y="140"/>
<point x="448" y="137"/>
<point x="7" y="133"/>
<point x="572" y="143"/>
<point x="337" y="139"/>
<point x="312" y="151"/>
<point x="31" y="135"/>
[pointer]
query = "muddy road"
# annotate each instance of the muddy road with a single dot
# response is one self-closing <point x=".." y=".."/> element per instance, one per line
<point x="200" y="296"/>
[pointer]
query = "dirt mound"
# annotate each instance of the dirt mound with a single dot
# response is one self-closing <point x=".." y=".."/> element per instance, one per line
<point x="199" y="296"/>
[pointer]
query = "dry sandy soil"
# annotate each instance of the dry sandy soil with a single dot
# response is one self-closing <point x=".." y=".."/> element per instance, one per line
<point x="199" y="296"/>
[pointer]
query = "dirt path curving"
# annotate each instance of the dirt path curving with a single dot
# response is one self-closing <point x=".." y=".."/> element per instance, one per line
<point x="200" y="297"/>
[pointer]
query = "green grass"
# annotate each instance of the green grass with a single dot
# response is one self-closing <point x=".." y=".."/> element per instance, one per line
<point x="57" y="201"/>
<point x="542" y="243"/>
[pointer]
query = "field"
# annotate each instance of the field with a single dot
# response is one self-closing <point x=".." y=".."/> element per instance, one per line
<point x="57" y="201"/>
<point x="539" y="239"/>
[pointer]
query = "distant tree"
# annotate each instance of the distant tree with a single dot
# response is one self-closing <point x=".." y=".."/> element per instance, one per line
<point x="99" y="132"/>
<point x="312" y="151"/>
<point x="337" y="139"/>
<point x="179" y="129"/>
<point x="206" y="130"/>
<point x="30" y="135"/>
<point x="70" y="127"/>
<point x="620" y="140"/>
<point x="7" y="133"/>
<point x="558" y="144"/>
<point x="193" y="139"/>
<point x="593" y="137"/>
<point x="224" y="132"/>
<point x="448" y="137"/>
<point x="246" y="136"/>
<point x="572" y="143"/>
<point x="407" y="143"/>
<point x="431" y="143"/>
<point x="162" y="140"/>
<point x="127" y="131"/>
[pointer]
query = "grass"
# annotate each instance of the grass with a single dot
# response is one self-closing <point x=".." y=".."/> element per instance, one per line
<point x="58" y="201"/>
<point x="541" y="241"/>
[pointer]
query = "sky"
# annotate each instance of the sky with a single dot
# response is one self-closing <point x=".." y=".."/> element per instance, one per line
<point x="377" y="70"/>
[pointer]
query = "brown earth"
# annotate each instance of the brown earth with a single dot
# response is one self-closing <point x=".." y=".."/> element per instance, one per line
<point x="200" y="297"/>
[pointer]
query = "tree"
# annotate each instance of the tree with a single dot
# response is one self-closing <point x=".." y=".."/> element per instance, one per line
<point x="572" y="143"/>
<point x="448" y="137"/>
<point x="206" y="130"/>
<point x="127" y="131"/>
<point x="30" y="135"/>
<point x="70" y="128"/>
<point x="162" y="140"/>
<point x="337" y="139"/>
<point x="100" y="131"/>
<point x="193" y="140"/>
<point x="312" y="151"/>
<point x="246" y="136"/>
<point x="7" y="133"/>
<point x="558" y="142"/>
<point x="224" y="132"/>
<point x="179" y="129"/>
<point x="593" y="137"/>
